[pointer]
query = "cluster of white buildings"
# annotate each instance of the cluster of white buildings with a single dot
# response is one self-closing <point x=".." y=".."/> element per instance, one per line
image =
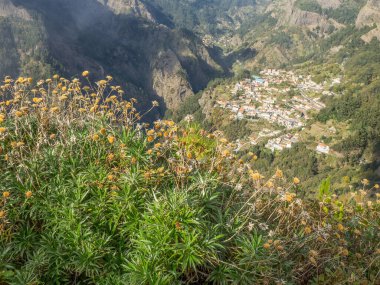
<point x="257" y="98"/>
<point x="267" y="97"/>
<point x="282" y="142"/>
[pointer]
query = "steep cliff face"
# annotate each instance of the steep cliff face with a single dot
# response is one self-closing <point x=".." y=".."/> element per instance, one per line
<point x="288" y="14"/>
<point x="170" y="79"/>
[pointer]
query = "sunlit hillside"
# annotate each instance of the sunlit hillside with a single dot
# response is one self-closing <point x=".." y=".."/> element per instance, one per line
<point x="91" y="195"/>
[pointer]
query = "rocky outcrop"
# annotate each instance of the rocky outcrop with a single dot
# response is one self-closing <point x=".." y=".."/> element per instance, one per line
<point x="289" y="15"/>
<point x="170" y="79"/>
<point x="7" y="9"/>
<point x="135" y="7"/>
<point x="370" y="15"/>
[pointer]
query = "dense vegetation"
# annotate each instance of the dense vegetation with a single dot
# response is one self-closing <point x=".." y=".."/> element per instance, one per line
<point x="22" y="48"/>
<point x="360" y="103"/>
<point x="197" y="14"/>
<point x="346" y="13"/>
<point x="90" y="196"/>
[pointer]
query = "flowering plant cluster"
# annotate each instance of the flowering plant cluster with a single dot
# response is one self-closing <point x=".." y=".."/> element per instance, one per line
<point x="90" y="195"/>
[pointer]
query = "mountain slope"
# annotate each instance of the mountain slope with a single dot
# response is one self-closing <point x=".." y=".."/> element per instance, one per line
<point x="107" y="37"/>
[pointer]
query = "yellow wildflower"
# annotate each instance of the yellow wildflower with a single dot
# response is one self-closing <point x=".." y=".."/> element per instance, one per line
<point x="279" y="173"/>
<point x="256" y="176"/>
<point x="85" y="73"/>
<point x="2" y="214"/>
<point x="20" y="144"/>
<point x="269" y="184"/>
<point x="110" y="157"/>
<point x="19" y="114"/>
<point x="313" y="253"/>
<point x="289" y="197"/>
<point x="111" y="139"/>
<point x="2" y="130"/>
<point x="95" y="137"/>
<point x="345" y="252"/>
<point x="340" y="227"/>
<point x="114" y="188"/>
<point x="28" y="194"/>
<point x="307" y="230"/>
<point x="280" y="248"/>
<point x="102" y="83"/>
<point x="37" y="100"/>
<point x="296" y="180"/>
<point x="266" y="245"/>
<point x="6" y="194"/>
<point x="313" y="261"/>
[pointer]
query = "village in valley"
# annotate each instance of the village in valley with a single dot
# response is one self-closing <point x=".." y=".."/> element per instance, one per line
<point x="283" y="99"/>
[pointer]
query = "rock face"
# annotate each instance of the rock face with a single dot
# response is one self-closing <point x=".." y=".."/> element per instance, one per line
<point x="289" y="15"/>
<point x="170" y="79"/>
<point x="7" y="9"/>
<point x="128" y="7"/>
<point x="369" y="14"/>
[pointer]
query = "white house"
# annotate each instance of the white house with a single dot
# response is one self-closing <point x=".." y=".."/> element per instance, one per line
<point x="322" y="148"/>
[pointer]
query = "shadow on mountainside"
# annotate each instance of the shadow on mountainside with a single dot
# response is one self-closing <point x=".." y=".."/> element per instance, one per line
<point x="88" y="35"/>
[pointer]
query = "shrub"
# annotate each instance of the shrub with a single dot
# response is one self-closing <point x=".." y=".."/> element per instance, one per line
<point x="90" y="195"/>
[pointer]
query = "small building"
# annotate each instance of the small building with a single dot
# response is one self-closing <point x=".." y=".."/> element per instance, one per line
<point x="322" y="148"/>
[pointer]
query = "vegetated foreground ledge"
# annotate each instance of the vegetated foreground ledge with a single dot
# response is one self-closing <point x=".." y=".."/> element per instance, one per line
<point x="90" y="196"/>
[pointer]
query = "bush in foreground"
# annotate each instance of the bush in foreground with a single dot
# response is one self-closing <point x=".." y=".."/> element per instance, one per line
<point x="90" y="196"/>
